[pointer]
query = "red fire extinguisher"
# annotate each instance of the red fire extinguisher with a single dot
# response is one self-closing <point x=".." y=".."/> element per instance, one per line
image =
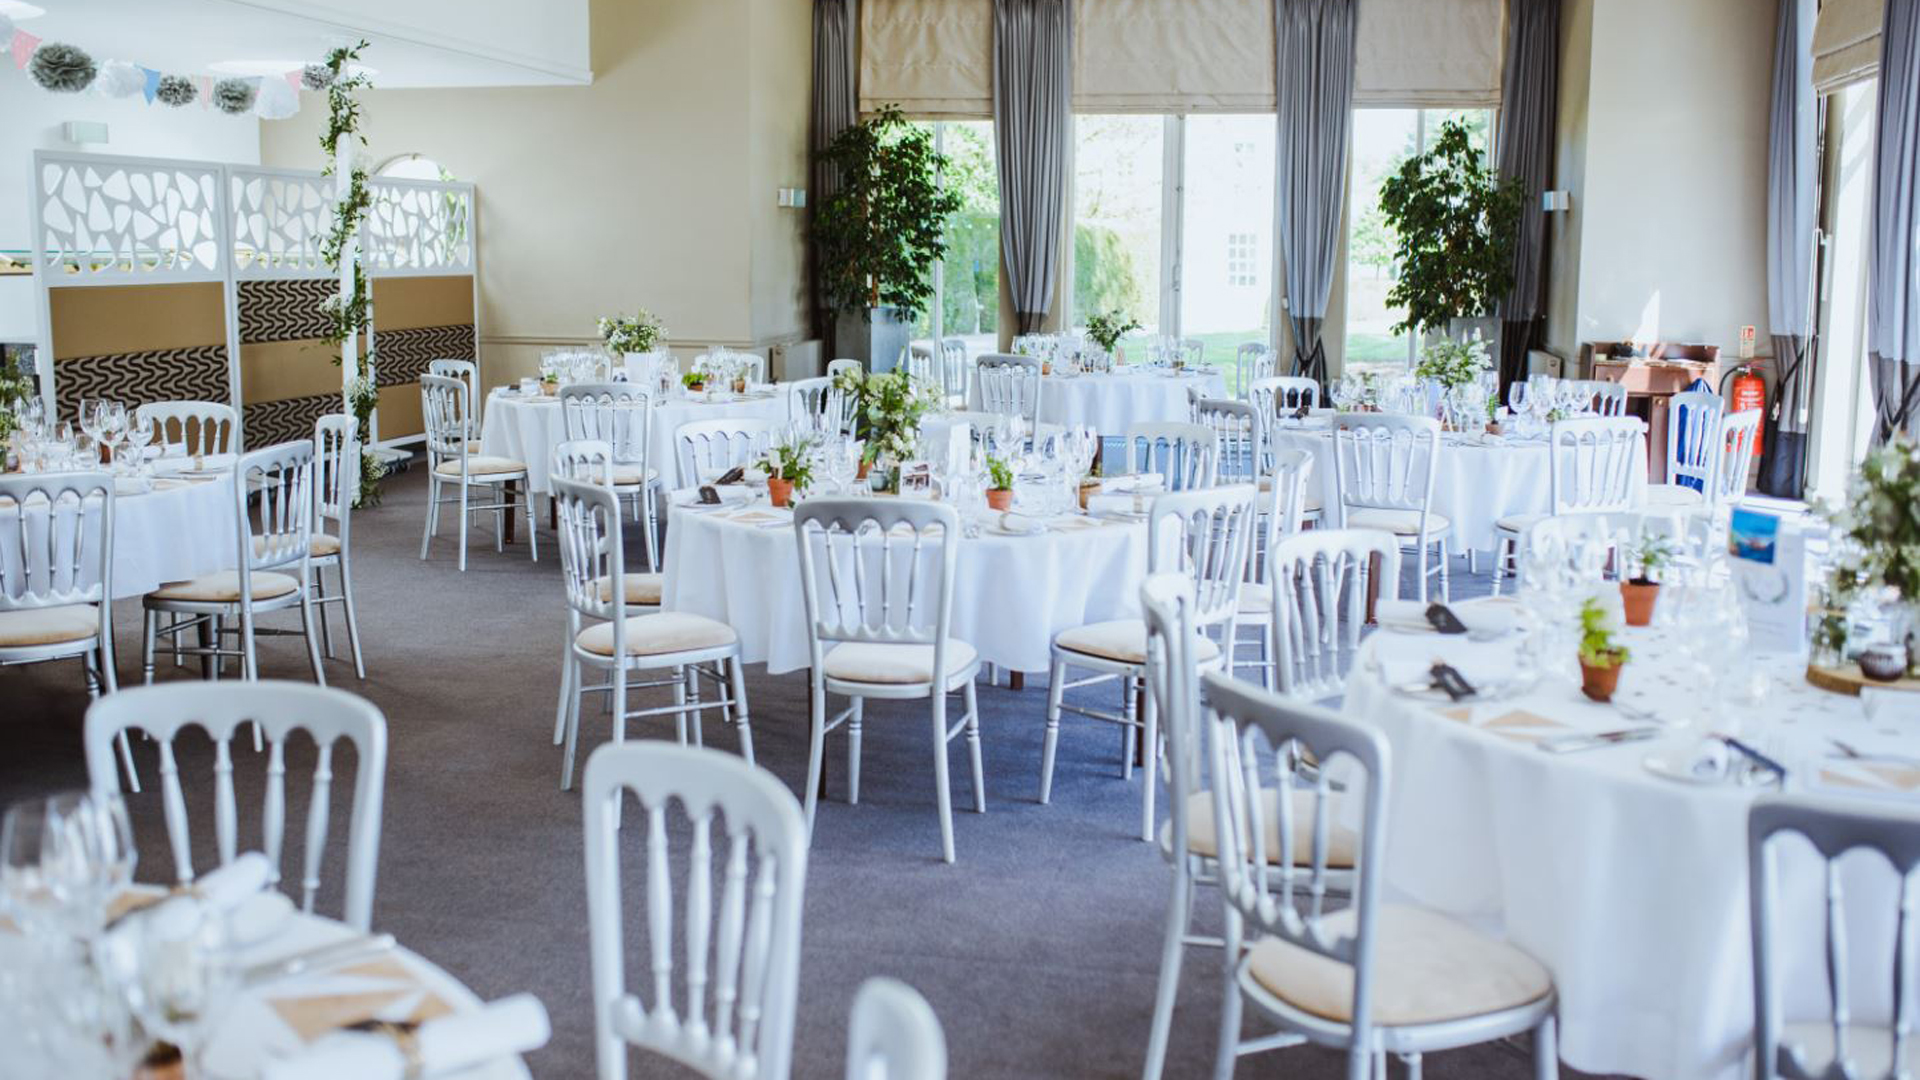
<point x="1749" y="392"/>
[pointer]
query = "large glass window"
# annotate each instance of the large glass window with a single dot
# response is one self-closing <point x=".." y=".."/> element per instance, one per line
<point x="1224" y="284"/>
<point x="1383" y="140"/>
<point x="1119" y="177"/>
<point x="966" y="284"/>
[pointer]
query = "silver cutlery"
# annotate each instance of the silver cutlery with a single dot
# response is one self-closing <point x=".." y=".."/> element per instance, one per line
<point x="349" y="951"/>
<point x="1569" y="744"/>
<point x="1887" y="759"/>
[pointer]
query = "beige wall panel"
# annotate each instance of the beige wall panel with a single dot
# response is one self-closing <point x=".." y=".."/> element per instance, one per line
<point x="100" y="320"/>
<point x="400" y="411"/>
<point x="277" y="370"/>
<point x="403" y="303"/>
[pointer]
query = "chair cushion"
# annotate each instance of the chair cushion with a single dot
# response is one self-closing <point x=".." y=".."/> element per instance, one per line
<point x="223" y="587"/>
<point x="1519" y="523"/>
<point x="1674" y="495"/>
<point x="480" y="465"/>
<point x="1310" y="503"/>
<point x="641" y="588"/>
<point x="1203" y="839"/>
<point x="1397" y="522"/>
<point x="658" y="633"/>
<point x="894" y="665"/>
<point x="318" y="545"/>
<point x="48" y="626"/>
<point x="1255" y="599"/>
<point x="1427" y="969"/>
<point x="626" y="475"/>
<point x="1124" y="640"/>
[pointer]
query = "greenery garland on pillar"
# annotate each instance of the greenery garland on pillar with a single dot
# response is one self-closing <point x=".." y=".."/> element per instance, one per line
<point x="349" y="313"/>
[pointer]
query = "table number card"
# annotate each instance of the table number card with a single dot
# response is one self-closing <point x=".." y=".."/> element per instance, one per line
<point x="1767" y="558"/>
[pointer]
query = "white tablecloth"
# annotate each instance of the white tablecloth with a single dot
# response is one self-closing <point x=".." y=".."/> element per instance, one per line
<point x="1476" y="485"/>
<point x="1108" y="403"/>
<point x="1011" y="593"/>
<point x="178" y="531"/>
<point x="1631" y="888"/>
<point x="527" y="429"/>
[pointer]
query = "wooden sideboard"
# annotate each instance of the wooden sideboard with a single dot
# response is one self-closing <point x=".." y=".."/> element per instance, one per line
<point x="1651" y="381"/>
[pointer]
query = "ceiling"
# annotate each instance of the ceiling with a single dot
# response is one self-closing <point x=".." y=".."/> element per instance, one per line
<point x="412" y="43"/>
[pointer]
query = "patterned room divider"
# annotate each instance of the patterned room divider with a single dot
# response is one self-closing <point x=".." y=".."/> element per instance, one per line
<point x="162" y="280"/>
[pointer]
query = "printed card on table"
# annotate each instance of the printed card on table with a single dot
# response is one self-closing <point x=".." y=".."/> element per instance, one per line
<point x="1768" y="561"/>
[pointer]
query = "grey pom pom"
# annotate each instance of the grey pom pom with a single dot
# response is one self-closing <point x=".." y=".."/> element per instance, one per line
<point x="234" y="96"/>
<point x="176" y="90"/>
<point x="63" y="68"/>
<point x="316" y="76"/>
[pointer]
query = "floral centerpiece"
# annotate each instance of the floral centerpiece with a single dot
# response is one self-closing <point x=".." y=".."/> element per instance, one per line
<point x="15" y="386"/>
<point x="1601" y="657"/>
<point x="1106" y="328"/>
<point x="1454" y="364"/>
<point x="1879" y="533"/>
<point x="789" y="468"/>
<point x="636" y="335"/>
<point x="888" y="407"/>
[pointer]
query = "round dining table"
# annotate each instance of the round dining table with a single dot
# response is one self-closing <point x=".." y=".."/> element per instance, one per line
<point x="167" y="528"/>
<point x="527" y="427"/>
<point x="1011" y="593"/>
<point x="1108" y="402"/>
<point x="1620" y="867"/>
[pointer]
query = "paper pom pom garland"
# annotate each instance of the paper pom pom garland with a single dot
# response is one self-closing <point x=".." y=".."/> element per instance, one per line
<point x="176" y="90"/>
<point x="64" y="69"/>
<point x="120" y="79"/>
<point x="234" y="96"/>
<point x="316" y="77"/>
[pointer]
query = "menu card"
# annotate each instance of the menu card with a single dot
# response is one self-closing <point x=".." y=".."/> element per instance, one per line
<point x="1767" y="556"/>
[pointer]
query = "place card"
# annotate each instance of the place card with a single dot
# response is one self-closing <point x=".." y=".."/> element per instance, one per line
<point x="1519" y="725"/>
<point x="379" y="989"/>
<point x="1888" y="778"/>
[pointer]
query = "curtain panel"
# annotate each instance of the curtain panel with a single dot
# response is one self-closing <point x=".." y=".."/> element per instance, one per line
<point x="1791" y="172"/>
<point x="1313" y="61"/>
<point x="1032" y="123"/>
<point x="834" y="110"/>
<point x="933" y="58"/>
<point x="1529" y="100"/>
<point x="1846" y="43"/>
<point x="1893" y="289"/>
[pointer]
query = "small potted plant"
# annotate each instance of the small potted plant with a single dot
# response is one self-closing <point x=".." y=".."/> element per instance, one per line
<point x="999" y="484"/>
<point x="1639" y="593"/>
<point x="549" y="380"/>
<point x="1493" y="413"/>
<point x="632" y="337"/>
<point x="787" y="469"/>
<point x="1601" y="657"/>
<point x="694" y="380"/>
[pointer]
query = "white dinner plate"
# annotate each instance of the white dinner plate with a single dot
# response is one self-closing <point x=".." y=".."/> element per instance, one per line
<point x="1674" y="767"/>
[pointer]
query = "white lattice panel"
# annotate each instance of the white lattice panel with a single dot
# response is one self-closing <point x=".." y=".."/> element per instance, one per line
<point x="418" y="227"/>
<point x="279" y="220"/>
<point x="113" y="220"/>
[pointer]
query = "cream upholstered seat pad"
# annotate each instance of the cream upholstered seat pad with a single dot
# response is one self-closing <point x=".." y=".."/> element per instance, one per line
<point x="319" y="545"/>
<point x="625" y="475"/>
<point x="1203" y="838"/>
<point x="48" y="626"/>
<point x="1124" y="640"/>
<point x="640" y="588"/>
<point x="1312" y="502"/>
<point x="1256" y="598"/>
<point x="892" y="664"/>
<point x="661" y="632"/>
<point x="1519" y="523"/>
<point x="1427" y="968"/>
<point x="480" y="465"/>
<point x="1674" y="495"/>
<point x="223" y="587"/>
<point x="1397" y="522"/>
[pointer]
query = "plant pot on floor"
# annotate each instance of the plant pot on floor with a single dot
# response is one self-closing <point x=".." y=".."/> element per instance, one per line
<point x="1000" y="498"/>
<point x="1637" y="598"/>
<point x="876" y="336"/>
<point x="779" y="492"/>
<point x="1599" y="682"/>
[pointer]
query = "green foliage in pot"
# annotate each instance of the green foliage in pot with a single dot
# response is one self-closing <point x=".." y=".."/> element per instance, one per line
<point x="999" y="474"/>
<point x="885" y="226"/>
<point x="1456" y="221"/>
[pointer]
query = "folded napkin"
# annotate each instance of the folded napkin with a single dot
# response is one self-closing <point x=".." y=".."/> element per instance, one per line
<point x="1482" y="664"/>
<point x="132" y="485"/>
<point x="1477" y="618"/>
<point x="512" y="1025"/>
<point x="1707" y="760"/>
<point x="1020" y="524"/>
<point x="1148" y="481"/>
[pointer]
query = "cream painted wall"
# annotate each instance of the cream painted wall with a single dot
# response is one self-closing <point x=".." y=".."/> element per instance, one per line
<point x="549" y="37"/>
<point x="628" y="192"/>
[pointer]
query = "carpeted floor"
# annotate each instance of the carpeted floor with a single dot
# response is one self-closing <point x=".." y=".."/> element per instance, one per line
<point x="1039" y="949"/>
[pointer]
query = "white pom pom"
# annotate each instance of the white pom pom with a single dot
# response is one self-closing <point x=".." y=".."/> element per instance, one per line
<point x="276" y="100"/>
<point x="120" y="79"/>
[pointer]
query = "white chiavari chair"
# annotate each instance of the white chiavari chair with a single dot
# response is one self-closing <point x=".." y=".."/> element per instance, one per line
<point x="1605" y="398"/>
<point x="1842" y="1044"/>
<point x="1283" y="509"/>
<point x="1734" y="469"/>
<point x="956" y="371"/>
<point x="446" y="406"/>
<point x="1240" y="439"/>
<point x="705" y="449"/>
<point x="276" y="710"/>
<point x="603" y="637"/>
<point x="192" y="428"/>
<point x="1370" y="979"/>
<point x="621" y="416"/>
<point x="467" y="372"/>
<point x="1204" y="534"/>
<point x="1281" y="396"/>
<point x="1317" y="585"/>
<point x="1693" y="419"/>
<point x="273" y="510"/>
<point x="1187" y="456"/>
<point x="336" y="484"/>
<point x="924" y="364"/>
<point x="752" y="364"/>
<point x="835" y="367"/>
<point x="894" y="1035"/>
<point x="1585" y="541"/>
<point x="1383" y="467"/>
<point x="877" y="576"/>
<point x="816" y="405"/>
<point x="1590" y="466"/>
<point x="719" y="995"/>
<point x="56" y="576"/>
<point x="1193" y="352"/>
<point x="1252" y="362"/>
<point x="1009" y="385"/>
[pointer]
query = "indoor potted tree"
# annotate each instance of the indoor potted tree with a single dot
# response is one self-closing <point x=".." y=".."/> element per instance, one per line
<point x="879" y="232"/>
<point x="1639" y="593"/>
<point x="1601" y="657"/>
<point x="999" y="484"/>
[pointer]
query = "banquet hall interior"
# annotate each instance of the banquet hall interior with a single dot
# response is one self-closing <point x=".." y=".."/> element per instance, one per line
<point x="901" y="539"/>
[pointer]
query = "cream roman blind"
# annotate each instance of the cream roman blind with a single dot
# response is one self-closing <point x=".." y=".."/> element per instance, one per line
<point x="930" y="57"/>
<point x="1441" y="53"/>
<point x="1160" y="57"/>
<point x="1846" y="43"/>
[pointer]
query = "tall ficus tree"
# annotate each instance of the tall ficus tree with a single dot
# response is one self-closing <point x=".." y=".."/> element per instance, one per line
<point x="1456" y="221"/>
<point x="885" y="226"/>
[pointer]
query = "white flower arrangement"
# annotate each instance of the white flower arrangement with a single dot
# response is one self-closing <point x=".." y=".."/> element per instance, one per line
<point x="1880" y="523"/>
<point x="1454" y="363"/>
<point x="636" y="335"/>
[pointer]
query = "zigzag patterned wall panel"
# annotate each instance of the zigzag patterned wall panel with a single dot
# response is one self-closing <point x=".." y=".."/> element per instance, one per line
<point x="192" y="374"/>
<point x="283" y="310"/>
<point x="404" y="354"/>
<point x="271" y="422"/>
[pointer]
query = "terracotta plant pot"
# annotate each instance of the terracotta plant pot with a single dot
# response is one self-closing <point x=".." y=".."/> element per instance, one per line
<point x="696" y="387"/>
<point x="1638" y="597"/>
<point x="1000" y="498"/>
<point x="779" y="492"/>
<point x="1599" y="683"/>
<point x="865" y="468"/>
<point x="1087" y="491"/>
<point x="550" y="387"/>
<point x="1493" y="428"/>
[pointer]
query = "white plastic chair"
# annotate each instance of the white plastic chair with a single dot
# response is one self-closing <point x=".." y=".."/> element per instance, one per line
<point x="723" y="971"/>
<point x="467" y="372"/>
<point x="273" y="510"/>
<point x="1240" y="439"/>
<point x="1590" y="468"/>
<point x="56" y="576"/>
<point x="1383" y="467"/>
<point x="1608" y="399"/>
<point x="336" y="483"/>
<point x="1009" y="385"/>
<point x="1187" y="456"/>
<point x="1693" y="451"/>
<point x="620" y="415"/>
<point x="704" y="449"/>
<point x="815" y="405"/>
<point x="276" y="710"/>
<point x="1731" y="472"/>
<point x="835" y="367"/>
<point x="1283" y="509"/>
<point x="197" y="428"/>
<point x="1321" y="976"/>
<point x="877" y="576"/>
<point x="1193" y="352"/>
<point x="894" y="1035"/>
<point x="1317" y="585"/>
<point x="446" y="405"/>
<point x="1283" y="395"/>
<point x="1205" y="534"/>
<point x="602" y="637"/>
<point x="1253" y="362"/>
<point x="956" y="371"/>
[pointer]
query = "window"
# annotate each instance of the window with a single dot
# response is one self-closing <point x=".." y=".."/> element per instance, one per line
<point x="1224" y="287"/>
<point x="1240" y="251"/>
<point x="1119" y="175"/>
<point x="414" y="167"/>
<point x="966" y="284"/>
<point x="1383" y="140"/>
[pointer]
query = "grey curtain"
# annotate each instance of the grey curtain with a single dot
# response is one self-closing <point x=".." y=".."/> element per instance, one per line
<point x="1791" y="185"/>
<point x="1893" y="291"/>
<point x="1529" y="100"/>
<point x="834" y="110"/>
<point x="1032" y="121"/>
<point x="1313" y="90"/>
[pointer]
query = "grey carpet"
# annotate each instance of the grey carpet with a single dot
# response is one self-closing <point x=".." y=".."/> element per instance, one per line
<point x="1039" y="949"/>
